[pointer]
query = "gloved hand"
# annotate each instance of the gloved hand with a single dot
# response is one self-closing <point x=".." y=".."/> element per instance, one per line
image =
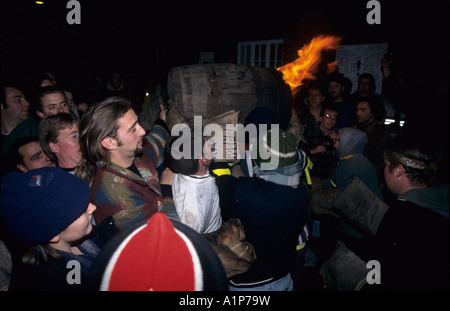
<point x="344" y="271"/>
<point x="362" y="206"/>
<point x="321" y="201"/>
<point x="235" y="253"/>
<point x="232" y="235"/>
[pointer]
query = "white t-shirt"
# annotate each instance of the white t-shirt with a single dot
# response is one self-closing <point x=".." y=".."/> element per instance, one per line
<point x="196" y="200"/>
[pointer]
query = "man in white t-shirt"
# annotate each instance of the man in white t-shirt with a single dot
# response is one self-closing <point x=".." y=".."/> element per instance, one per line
<point x="195" y="193"/>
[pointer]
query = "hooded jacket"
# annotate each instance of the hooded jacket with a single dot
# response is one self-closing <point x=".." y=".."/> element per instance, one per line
<point x="352" y="162"/>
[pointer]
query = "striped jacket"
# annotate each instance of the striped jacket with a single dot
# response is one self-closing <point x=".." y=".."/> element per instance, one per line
<point x="123" y="194"/>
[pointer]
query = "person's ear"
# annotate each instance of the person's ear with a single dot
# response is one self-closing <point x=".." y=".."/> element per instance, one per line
<point x="202" y="161"/>
<point x="399" y="170"/>
<point x="109" y="143"/>
<point x="40" y="114"/>
<point x="53" y="147"/>
<point x="55" y="239"/>
<point x="21" y="168"/>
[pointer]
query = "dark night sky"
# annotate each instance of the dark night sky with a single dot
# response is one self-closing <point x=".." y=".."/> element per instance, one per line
<point x="125" y="33"/>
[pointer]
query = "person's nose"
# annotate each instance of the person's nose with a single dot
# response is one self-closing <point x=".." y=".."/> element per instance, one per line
<point x="46" y="158"/>
<point x="141" y="130"/>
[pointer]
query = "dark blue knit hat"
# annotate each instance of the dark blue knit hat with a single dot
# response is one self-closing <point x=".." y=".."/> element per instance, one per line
<point x="40" y="204"/>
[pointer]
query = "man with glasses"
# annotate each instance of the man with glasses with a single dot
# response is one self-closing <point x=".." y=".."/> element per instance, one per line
<point x="328" y="120"/>
<point x="51" y="101"/>
<point x="319" y="146"/>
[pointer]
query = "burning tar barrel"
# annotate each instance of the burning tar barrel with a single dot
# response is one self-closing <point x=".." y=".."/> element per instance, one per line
<point x="212" y="89"/>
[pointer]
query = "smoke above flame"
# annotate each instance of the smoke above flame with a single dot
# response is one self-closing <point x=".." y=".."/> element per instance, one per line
<point x="310" y="56"/>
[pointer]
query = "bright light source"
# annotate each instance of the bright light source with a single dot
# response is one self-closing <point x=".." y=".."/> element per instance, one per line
<point x="39" y="2"/>
<point x="390" y="121"/>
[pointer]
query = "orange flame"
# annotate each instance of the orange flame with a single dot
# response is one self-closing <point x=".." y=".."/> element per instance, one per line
<point x="309" y="58"/>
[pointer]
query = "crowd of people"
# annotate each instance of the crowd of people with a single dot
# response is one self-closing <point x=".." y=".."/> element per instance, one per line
<point x="84" y="183"/>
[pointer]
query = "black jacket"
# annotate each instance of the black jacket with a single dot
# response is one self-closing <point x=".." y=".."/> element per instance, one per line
<point x="273" y="217"/>
<point x="414" y="248"/>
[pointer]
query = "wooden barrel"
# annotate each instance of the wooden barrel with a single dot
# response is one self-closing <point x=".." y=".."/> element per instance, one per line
<point x="211" y="89"/>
